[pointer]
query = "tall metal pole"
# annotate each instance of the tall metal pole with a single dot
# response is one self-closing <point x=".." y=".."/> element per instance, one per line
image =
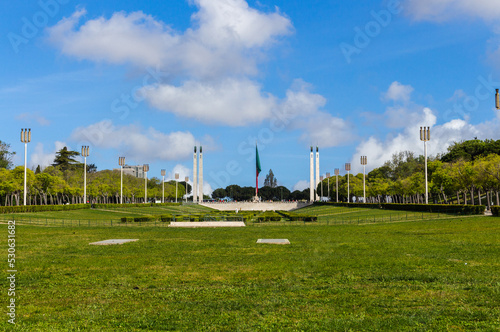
<point x="85" y="154"/>
<point x="364" y="162"/>
<point x="425" y="136"/>
<point x="337" y="171"/>
<point x="25" y="138"/>
<point x="176" y="178"/>
<point x="121" y="162"/>
<point x="145" y="169"/>
<point x="163" y="172"/>
<point x="311" y="176"/>
<point x="348" y="168"/>
<point x="186" y="179"/>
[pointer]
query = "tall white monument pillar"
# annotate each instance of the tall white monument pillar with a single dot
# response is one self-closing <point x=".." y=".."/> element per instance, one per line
<point x="195" y="176"/>
<point x="200" y="193"/>
<point x="311" y="176"/>
<point x="317" y="173"/>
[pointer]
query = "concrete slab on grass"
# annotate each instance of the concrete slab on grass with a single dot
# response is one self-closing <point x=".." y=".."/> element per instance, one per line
<point x="113" y="241"/>
<point x="207" y="224"/>
<point x="274" y="241"/>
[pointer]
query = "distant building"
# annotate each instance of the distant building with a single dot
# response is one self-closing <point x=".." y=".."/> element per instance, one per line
<point x="137" y="171"/>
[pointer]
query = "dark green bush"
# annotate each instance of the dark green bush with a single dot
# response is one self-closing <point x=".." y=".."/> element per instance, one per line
<point x="437" y="208"/>
<point x="166" y="218"/>
<point x="495" y="210"/>
<point x="144" y="219"/>
<point x="42" y="208"/>
<point x="127" y="219"/>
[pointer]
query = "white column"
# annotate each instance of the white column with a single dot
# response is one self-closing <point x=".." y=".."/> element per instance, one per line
<point x="195" y="176"/>
<point x="200" y="193"/>
<point x="121" y="184"/>
<point x="25" y="165"/>
<point x="311" y="176"/>
<point x="426" y="183"/>
<point x="317" y="173"/>
<point x="84" y="180"/>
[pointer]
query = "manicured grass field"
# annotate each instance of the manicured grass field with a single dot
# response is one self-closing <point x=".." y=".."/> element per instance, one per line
<point x="405" y="276"/>
<point x="111" y="217"/>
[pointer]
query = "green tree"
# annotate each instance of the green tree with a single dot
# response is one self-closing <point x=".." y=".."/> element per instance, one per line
<point x="270" y="180"/>
<point x="5" y="156"/>
<point x="64" y="159"/>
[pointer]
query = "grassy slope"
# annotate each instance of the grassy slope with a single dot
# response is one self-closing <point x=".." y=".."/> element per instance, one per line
<point x="399" y="276"/>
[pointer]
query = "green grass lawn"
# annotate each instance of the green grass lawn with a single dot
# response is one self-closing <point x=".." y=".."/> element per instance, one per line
<point x="406" y="276"/>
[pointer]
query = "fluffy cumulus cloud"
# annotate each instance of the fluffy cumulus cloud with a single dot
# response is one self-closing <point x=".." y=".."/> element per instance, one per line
<point x="226" y="36"/>
<point x="137" y="142"/>
<point x="184" y="172"/>
<point x="40" y="157"/>
<point x="398" y="92"/>
<point x="442" y="10"/>
<point x="301" y="185"/>
<point x="378" y="151"/>
<point x="231" y="102"/>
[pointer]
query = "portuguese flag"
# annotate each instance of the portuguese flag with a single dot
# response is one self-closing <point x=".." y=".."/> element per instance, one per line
<point x="258" y="170"/>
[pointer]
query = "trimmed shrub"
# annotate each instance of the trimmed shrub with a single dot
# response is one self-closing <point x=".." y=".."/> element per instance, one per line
<point x="495" y="210"/>
<point x="127" y="219"/>
<point x="144" y="219"/>
<point x="42" y="208"/>
<point x="437" y="208"/>
<point x="166" y="218"/>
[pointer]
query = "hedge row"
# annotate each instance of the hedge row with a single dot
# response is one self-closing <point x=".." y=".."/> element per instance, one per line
<point x="437" y="208"/>
<point x="269" y="216"/>
<point x="162" y="218"/>
<point x="495" y="210"/>
<point x="42" y="208"/>
<point x="292" y="216"/>
<point x="111" y="206"/>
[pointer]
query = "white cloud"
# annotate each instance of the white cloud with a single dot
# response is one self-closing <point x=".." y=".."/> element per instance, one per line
<point x="42" y="158"/>
<point x="442" y="10"/>
<point x="398" y="92"/>
<point x="442" y="136"/>
<point x="35" y="116"/>
<point x="301" y="185"/>
<point x="138" y="143"/>
<point x="225" y="38"/>
<point x="231" y="102"/>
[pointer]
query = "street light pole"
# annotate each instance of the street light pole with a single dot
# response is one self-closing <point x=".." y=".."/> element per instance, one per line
<point x="85" y="154"/>
<point x="337" y="171"/>
<point x="163" y="186"/>
<point x="364" y="162"/>
<point x="145" y="169"/>
<point x="176" y="178"/>
<point x="25" y="138"/>
<point x="425" y="136"/>
<point x="121" y="162"/>
<point x="186" y="179"/>
<point x="348" y="168"/>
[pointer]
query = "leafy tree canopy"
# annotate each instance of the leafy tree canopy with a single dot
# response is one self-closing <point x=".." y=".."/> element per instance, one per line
<point x="5" y="156"/>
<point x="64" y="159"/>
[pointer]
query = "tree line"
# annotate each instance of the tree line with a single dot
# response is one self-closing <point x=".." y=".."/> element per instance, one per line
<point x="468" y="173"/>
<point x="62" y="183"/>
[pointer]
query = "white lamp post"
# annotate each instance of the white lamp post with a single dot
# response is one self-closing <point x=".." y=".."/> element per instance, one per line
<point x="186" y="179"/>
<point x="145" y="169"/>
<point x="176" y="178"/>
<point x="163" y="186"/>
<point x="337" y="171"/>
<point x="364" y="162"/>
<point x="348" y="168"/>
<point x="425" y="136"/>
<point x="328" y="181"/>
<point x="121" y="162"/>
<point x="25" y="138"/>
<point x="85" y="154"/>
<point x="497" y="100"/>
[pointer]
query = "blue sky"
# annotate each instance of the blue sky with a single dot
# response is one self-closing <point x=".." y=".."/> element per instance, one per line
<point x="149" y="80"/>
